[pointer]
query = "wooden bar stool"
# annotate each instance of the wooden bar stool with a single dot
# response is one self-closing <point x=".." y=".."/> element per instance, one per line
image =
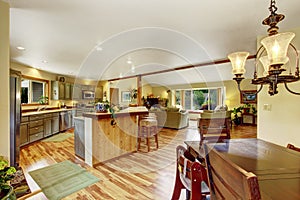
<point x="147" y="129"/>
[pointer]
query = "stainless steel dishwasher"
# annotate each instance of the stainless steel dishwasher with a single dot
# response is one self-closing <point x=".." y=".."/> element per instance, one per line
<point x="65" y="120"/>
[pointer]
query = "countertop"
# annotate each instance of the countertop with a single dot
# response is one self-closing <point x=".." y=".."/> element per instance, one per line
<point x="45" y="111"/>
<point x="129" y="111"/>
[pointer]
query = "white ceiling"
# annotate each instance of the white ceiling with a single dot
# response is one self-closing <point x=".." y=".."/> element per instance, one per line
<point x="154" y="34"/>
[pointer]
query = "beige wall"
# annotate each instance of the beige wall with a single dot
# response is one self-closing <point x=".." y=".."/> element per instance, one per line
<point x="147" y="90"/>
<point x="280" y="123"/>
<point x="4" y="78"/>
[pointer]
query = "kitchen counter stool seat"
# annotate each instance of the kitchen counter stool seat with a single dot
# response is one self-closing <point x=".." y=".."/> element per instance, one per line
<point x="147" y="129"/>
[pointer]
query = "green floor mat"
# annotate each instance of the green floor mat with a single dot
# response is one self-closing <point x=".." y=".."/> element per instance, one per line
<point x="58" y="138"/>
<point x="62" y="179"/>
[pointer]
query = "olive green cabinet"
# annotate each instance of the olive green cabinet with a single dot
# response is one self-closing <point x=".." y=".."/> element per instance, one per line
<point x="55" y="123"/>
<point x="39" y="126"/>
<point x="47" y="125"/>
<point x="24" y="135"/>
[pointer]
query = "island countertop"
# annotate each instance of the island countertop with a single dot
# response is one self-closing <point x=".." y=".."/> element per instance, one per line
<point x="129" y="111"/>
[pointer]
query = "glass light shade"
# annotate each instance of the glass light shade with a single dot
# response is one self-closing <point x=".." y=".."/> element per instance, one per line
<point x="276" y="46"/>
<point x="266" y="63"/>
<point x="238" y="60"/>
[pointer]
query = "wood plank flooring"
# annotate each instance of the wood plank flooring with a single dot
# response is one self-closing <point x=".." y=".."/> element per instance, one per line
<point x="141" y="176"/>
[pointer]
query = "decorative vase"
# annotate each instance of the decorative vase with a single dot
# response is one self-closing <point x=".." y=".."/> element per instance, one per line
<point x="10" y="195"/>
<point x="246" y="110"/>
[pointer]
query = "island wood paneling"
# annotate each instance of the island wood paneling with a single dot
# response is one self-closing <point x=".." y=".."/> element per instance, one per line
<point x="110" y="141"/>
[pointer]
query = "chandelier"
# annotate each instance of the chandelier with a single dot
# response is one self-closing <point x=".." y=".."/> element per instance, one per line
<point x="273" y="58"/>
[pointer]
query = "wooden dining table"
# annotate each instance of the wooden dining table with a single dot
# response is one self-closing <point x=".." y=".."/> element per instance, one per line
<point x="277" y="167"/>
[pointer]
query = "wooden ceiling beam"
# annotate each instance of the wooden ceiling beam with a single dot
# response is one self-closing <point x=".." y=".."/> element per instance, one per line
<point x="215" y="62"/>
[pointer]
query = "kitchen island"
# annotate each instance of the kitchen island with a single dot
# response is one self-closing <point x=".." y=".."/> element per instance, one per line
<point x="105" y="140"/>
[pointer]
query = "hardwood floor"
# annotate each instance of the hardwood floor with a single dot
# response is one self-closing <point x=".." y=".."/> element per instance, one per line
<point x="141" y="176"/>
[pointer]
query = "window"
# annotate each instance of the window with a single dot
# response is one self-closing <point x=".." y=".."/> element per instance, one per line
<point x="195" y="99"/>
<point x="32" y="90"/>
<point x="178" y="97"/>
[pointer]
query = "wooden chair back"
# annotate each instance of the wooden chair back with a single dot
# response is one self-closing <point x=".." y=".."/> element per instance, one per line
<point x="291" y="146"/>
<point x="189" y="175"/>
<point x="214" y="129"/>
<point x="229" y="181"/>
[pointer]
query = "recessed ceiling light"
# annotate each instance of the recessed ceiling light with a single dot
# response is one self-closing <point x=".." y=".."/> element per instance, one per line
<point x="129" y="61"/>
<point x="99" y="48"/>
<point x="20" y="48"/>
<point x="132" y="68"/>
<point x="121" y="75"/>
<point x="44" y="61"/>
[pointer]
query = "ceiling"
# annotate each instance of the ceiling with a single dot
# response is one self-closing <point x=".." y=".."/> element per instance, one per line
<point x="94" y="39"/>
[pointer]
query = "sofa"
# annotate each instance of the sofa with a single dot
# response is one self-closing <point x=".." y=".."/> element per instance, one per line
<point x="171" y="117"/>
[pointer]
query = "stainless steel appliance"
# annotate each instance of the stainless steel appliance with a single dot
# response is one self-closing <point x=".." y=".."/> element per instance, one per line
<point x="15" y="116"/>
<point x="65" y="120"/>
<point x="88" y="94"/>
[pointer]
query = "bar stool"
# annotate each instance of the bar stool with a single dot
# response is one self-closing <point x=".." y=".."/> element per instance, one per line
<point x="147" y="129"/>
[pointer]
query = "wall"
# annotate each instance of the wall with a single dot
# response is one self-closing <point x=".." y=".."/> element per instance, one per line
<point x="4" y="79"/>
<point x="279" y="124"/>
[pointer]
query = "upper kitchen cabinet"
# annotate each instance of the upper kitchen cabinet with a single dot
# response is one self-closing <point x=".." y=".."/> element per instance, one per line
<point x="60" y="90"/>
<point x="68" y="91"/>
<point x="55" y="90"/>
<point x="76" y="94"/>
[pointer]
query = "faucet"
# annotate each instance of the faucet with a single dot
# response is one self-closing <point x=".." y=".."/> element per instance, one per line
<point x="41" y="108"/>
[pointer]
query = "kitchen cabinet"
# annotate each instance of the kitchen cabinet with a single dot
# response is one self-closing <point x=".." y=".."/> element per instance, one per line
<point x="55" y="123"/>
<point x="68" y="94"/>
<point x="88" y="87"/>
<point x="24" y="137"/>
<point x="47" y="125"/>
<point x="61" y="94"/>
<point x="36" y="127"/>
<point x="57" y="90"/>
<point x="77" y="94"/>
<point x="61" y="91"/>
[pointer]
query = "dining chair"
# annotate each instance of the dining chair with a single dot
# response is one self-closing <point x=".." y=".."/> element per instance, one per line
<point x="291" y="146"/>
<point x="214" y="129"/>
<point x="190" y="175"/>
<point x="229" y="181"/>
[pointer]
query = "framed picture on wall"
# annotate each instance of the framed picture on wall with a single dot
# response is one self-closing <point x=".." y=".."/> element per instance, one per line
<point x="248" y="96"/>
<point x="125" y="96"/>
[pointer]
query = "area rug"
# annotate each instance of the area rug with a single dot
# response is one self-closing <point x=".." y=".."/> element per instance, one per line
<point x="62" y="179"/>
<point x="58" y="138"/>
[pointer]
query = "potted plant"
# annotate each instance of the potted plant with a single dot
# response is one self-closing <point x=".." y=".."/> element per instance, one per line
<point x="6" y="174"/>
<point x="43" y="100"/>
<point x="236" y="115"/>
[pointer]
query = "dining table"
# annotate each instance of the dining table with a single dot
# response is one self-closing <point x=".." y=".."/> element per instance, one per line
<point x="276" y="167"/>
